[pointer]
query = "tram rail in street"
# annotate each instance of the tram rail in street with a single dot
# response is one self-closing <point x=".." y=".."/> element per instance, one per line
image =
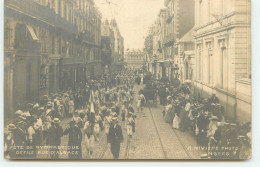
<point x="127" y="149"/>
<point x="103" y="151"/>
<point x="157" y="132"/>
<point x="181" y="142"/>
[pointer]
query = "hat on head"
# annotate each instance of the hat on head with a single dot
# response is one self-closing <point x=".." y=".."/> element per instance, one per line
<point x="114" y="119"/>
<point x="11" y="127"/>
<point x="26" y="114"/>
<point x="18" y="112"/>
<point x="36" y="105"/>
<point x="49" y="104"/>
<point x="20" y="122"/>
<point x="56" y="120"/>
<point x="29" y="104"/>
<point x="21" y="118"/>
<point x="41" y="109"/>
<point x="214" y="118"/>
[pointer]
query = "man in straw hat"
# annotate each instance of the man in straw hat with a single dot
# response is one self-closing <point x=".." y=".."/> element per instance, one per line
<point x="17" y="114"/>
<point x="54" y="137"/>
<point x="115" y="137"/>
<point x="9" y="141"/>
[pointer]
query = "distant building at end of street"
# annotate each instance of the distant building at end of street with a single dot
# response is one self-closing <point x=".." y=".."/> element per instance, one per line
<point x="134" y="58"/>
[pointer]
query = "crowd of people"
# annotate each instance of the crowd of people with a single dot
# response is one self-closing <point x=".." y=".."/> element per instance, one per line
<point x="104" y="104"/>
<point x="95" y="106"/>
<point x="205" y="118"/>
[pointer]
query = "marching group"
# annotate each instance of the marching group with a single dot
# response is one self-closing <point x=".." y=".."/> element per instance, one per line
<point x="105" y="104"/>
<point x="98" y="105"/>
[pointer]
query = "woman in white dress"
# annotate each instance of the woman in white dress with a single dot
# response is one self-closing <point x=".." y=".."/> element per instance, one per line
<point x="176" y="119"/>
<point x="107" y="121"/>
<point x="97" y="126"/>
<point x="71" y="107"/>
<point x="129" y="125"/>
<point x="123" y="111"/>
<point x="89" y="138"/>
<point x="168" y="117"/>
<point x="140" y="102"/>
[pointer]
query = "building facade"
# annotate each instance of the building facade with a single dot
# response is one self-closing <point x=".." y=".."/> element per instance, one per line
<point x="118" y="47"/>
<point x="107" y="46"/>
<point x="134" y="59"/>
<point x="111" y="32"/>
<point x="172" y="24"/>
<point x="154" y="56"/>
<point x="178" y="23"/>
<point x="223" y="54"/>
<point x="148" y="50"/>
<point x="185" y="57"/>
<point x="49" y="46"/>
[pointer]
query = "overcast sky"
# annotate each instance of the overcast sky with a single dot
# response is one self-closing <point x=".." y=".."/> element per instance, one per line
<point x="133" y="17"/>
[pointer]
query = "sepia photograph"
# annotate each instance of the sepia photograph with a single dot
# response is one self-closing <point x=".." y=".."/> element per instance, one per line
<point x="129" y="80"/>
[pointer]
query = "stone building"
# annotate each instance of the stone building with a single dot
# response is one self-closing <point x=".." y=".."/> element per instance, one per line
<point x="179" y="20"/>
<point x="119" y="46"/>
<point x="153" y="50"/>
<point x="185" y="57"/>
<point x="158" y="58"/>
<point x="223" y="54"/>
<point x="49" y="46"/>
<point x="107" y="46"/>
<point x="111" y="32"/>
<point x="134" y="59"/>
<point x="148" y="50"/>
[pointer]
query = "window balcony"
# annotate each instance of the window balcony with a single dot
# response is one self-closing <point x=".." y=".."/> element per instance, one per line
<point x="71" y="60"/>
<point x="169" y="39"/>
<point x="28" y="45"/>
<point x="87" y="37"/>
<point x="33" y="10"/>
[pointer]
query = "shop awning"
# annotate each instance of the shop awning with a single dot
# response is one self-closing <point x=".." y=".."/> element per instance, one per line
<point x="31" y="30"/>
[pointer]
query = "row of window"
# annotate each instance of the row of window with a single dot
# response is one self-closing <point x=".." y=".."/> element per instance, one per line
<point x="70" y="49"/>
<point x="135" y="57"/>
<point x="66" y="10"/>
<point x="206" y="70"/>
<point x="208" y="10"/>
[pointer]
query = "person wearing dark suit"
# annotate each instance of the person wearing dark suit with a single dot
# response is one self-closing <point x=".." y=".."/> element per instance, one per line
<point x="54" y="138"/>
<point x="74" y="143"/>
<point x="115" y="137"/>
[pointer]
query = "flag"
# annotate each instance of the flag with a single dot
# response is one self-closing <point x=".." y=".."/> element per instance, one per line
<point x="91" y="101"/>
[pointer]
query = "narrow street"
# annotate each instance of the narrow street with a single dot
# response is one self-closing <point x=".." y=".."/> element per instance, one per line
<point x="76" y="70"/>
<point x="153" y="139"/>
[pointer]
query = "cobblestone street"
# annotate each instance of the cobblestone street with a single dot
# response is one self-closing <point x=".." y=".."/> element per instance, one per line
<point x="153" y="139"/>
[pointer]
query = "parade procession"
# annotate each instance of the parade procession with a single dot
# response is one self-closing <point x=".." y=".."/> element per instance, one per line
<point x="81" y="83"/>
